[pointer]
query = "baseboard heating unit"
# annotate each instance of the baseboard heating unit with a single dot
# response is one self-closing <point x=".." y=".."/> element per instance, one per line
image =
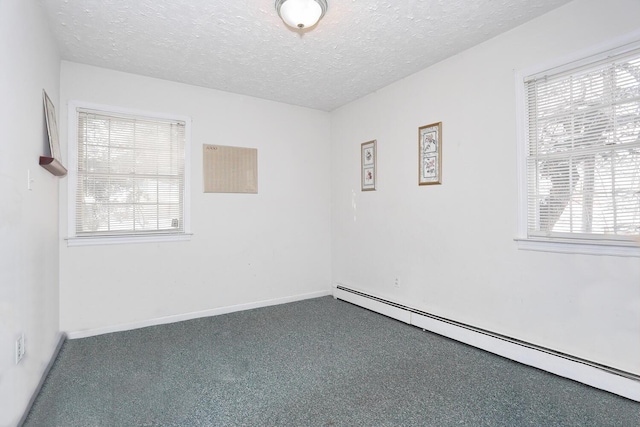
<point x="613" y="380"/>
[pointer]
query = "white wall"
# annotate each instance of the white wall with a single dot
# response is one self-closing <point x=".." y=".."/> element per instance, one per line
<point x="452" y="245"/>
<point x="29" y="62"/>
<point x="245" y="248"/>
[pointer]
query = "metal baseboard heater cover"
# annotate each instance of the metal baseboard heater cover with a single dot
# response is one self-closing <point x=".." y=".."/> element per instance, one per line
<point x="604" y="377"/>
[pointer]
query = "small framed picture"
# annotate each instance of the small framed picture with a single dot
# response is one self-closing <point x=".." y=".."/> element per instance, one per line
<point x="368" y="165"/>
<point x="430" y="154"/>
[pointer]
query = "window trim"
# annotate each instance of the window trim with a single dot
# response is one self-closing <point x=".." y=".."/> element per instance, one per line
<point x="568" y="62"/>
<point x="72" y="119"/>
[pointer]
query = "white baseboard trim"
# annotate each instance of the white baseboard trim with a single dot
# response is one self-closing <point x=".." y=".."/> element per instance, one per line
<point x="47" y="367"/>
<point x="545" y="359"/>
<point x="84" y="333"/>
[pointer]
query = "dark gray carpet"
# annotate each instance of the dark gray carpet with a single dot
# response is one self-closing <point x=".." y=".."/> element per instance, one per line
<point x="319" y="362"/>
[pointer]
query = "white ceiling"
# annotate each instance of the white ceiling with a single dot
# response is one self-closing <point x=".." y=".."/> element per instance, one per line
<point x="243" y="47"/>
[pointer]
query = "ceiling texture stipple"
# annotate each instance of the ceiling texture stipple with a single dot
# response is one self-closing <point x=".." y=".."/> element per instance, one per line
<point x="243" y="47"/>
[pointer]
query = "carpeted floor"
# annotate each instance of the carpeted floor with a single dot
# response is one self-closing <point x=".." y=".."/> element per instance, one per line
<point x="319" y="362"/>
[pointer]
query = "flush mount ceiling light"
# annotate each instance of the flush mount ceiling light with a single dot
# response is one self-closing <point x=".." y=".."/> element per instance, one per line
<point x="301" y="13"/>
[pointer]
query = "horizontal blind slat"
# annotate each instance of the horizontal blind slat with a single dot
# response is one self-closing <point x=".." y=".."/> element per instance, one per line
<point x="130" y="174"/>
<point x="583" y="148"/>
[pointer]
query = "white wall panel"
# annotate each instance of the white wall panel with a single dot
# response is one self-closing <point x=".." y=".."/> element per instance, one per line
<point x="451" y="245"/>
<point x="29" y="62"/>
<point x="245" y="247"/>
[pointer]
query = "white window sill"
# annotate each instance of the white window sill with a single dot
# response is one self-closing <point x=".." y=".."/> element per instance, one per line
<point x="125" y="240"/>
<point x="625" y="249"/>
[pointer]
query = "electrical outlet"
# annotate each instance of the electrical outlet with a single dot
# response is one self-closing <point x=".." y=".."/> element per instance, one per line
<point x="19" y="348"/>
<point x="396" y="282"/>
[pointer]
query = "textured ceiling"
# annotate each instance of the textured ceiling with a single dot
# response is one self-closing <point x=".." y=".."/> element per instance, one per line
<point x="243" y="46"/>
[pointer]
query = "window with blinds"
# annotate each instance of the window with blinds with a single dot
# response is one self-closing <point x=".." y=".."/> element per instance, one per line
<point x="130" y="178"/>
<point x="583" y="150"/>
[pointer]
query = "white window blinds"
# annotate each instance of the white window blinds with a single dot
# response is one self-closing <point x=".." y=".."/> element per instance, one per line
<point x="130" y="175"/>
<point x="583" y="151"/>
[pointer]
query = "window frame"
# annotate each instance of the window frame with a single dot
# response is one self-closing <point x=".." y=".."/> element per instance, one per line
<point x="595" y="246"/>
<point x="75" y="240"/>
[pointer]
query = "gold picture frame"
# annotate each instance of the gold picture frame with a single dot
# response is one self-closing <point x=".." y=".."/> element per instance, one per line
<point x="368" y="165"/>
<point x="430" y="154"/>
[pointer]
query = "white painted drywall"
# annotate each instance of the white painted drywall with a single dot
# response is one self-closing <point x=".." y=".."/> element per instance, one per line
<point x="245" y="248"/>
<point x="29" y="62"/>
<point x="452" y="245"/>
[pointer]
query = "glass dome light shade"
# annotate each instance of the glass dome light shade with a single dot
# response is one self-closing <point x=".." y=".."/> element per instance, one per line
<point x="301" y="13"/>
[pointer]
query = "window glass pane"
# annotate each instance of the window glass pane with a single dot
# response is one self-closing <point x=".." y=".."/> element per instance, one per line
<point x="169" y="217"/>
<point x="120" y="217"/>
<point x="146" y="217"/>
<point x="146" y="190"/>
<point x="121" y="160"/>
<point x="147" y="161"/>
<point x="95" y="159"/>
<point x="95" y="218"/>
<point x="584" y="150"/>
<point x="130" y="174"/>
<point x="169" y="190"/>
<point x="121" y="133"/>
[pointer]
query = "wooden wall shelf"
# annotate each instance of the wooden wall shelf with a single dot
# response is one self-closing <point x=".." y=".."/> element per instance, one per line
<point x="53" y="166"/>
